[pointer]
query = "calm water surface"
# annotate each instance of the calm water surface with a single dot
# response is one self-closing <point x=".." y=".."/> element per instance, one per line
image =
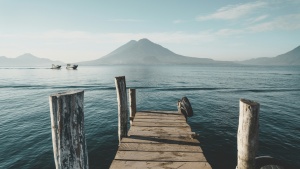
<point x="214" y="92"/>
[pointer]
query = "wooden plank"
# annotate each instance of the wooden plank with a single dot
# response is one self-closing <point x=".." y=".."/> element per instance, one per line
<point x="158" y="112"/>
<point x="159" y="120"/>
<point x="160" y="156"/>
<point x="159" y="134"/>
<point x="159" y="147"/>
<point x="160" y="124"/>
<point x="162" y="139"/>
<point x="171" y="130"/>
<point x="153" y="119"/>
<point x="153" y="128"/>
<point x="158" y="116"/>
<point x="159" y="139"/>
<point x="159" y="165"/>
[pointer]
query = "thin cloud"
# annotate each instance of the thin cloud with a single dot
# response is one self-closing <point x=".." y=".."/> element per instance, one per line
<point x="258" y="19"/>
<point x="231" y="12"/>
<point x="287" y="22"/>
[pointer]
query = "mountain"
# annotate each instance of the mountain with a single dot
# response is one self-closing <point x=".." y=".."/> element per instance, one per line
<point x="26" y="60"/>
<point x="146" y="52"/>
<point x="290" y="58"/>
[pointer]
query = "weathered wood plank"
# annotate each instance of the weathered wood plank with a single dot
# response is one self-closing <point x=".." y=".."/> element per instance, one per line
<point x="158" y="165"/>
<point x="171" y="129"/>
<point x="159" y="124"/>
<point x="159" y="134"/>
<point x="160" y="114"/>
<point x="159" y="120"/>
<point x="159" y="139"/>
<point x="160" y="156"/>
<point x="159" y="147"/>
<point x="162" y="139"/>
<point x="161" y="130"/>
<point x="158" y="117"/>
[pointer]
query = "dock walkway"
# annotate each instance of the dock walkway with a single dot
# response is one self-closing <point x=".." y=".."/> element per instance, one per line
<point x="156" y="139"/>
<point x="159" y="139"/>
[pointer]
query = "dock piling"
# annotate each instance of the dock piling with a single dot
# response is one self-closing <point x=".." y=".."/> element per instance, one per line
<point x="132" y="104"/>
<point x="184" y="107"/>
<point x="67" y="125"/>
<point x="247" y="137"/>
<point x="122" y="106"/>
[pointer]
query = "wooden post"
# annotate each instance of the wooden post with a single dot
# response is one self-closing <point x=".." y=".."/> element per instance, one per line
<point x="184" y="107"/>
<point x="247" y="137"/>
<point x="67" y="124"/>
<point x="132" y="103"/>
<point x="122" y="106"/>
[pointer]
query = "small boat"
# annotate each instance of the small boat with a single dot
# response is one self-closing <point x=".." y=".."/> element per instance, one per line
<point x="71" y="66"/>
<point x="55" y="66"/>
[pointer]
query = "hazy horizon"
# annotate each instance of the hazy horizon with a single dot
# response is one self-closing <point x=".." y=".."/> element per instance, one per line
<point x="83" y="31"/>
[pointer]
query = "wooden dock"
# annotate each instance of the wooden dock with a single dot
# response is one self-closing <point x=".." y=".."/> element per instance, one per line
<point x="159" y="139"/>
<point x="156" y="139"/>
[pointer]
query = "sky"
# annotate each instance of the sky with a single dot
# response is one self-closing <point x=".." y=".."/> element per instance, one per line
<point x="78" y="30"/>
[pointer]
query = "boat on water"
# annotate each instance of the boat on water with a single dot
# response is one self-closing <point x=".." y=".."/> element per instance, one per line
<point x="71" y="66"/>
<point x="55" y="66"/>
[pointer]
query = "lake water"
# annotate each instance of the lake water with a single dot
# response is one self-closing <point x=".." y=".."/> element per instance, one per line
<point x="214" y="93"/>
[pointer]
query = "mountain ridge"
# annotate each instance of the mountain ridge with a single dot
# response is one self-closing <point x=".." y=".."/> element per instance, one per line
<point x="289" y="58"/>
<point x="27" y="60"/>
<point x="146" y="52"/>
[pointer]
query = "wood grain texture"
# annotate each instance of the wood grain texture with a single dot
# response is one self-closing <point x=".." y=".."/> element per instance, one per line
<point x="247" y="137"/>
<point x="163" y="147"/>
<point x="184" y="107"/>
<point x="67" y="123"/>
<point x="160" y="156"/>
<point x="160" y="124"/>
<point x="158" y="120"/>
<point x="120" y="164"/>
<point x="159" y="139"/>
<point x="132" y="104"/>
<point x="174" y="139"/>
<point x="122" y="106"/>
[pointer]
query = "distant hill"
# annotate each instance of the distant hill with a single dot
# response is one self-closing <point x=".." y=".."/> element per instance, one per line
<point x="146" y="52"/>
<point x="27" y="60"/>
<point x="290" y="58"/>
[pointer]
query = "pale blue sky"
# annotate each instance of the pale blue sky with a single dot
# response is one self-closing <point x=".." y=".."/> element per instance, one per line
<point x="75" y="30"/>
